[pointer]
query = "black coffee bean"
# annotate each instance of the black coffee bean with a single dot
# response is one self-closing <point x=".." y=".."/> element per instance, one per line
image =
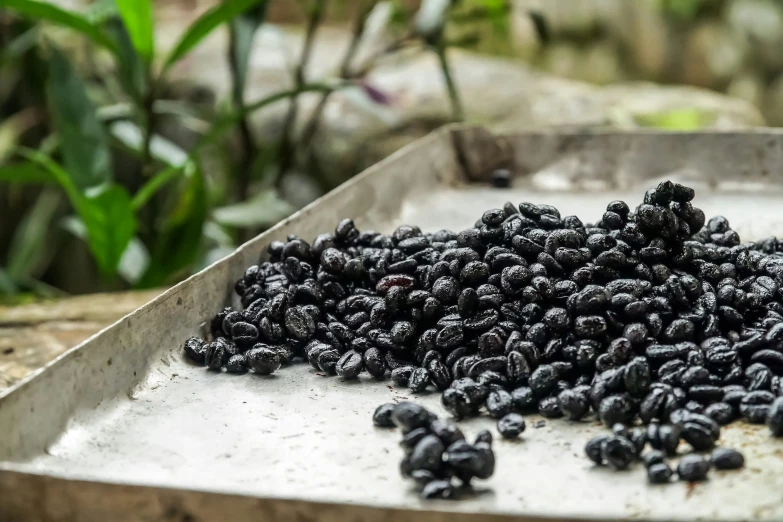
<point x="327" y="361"/>
<point x="237" y="364"/>
<point x="408" y="416"/>
<point x="437" y="489"/>
<point x="350" y="365"/>
<point x="382" y="417"/>
<point x="693" y="468"/>
<point x="484" y="436"/>
<point x="573" y="404"/>
<point x="543" y="380"/>
<point x="659" y="473"/>
<point x="511" y="426"/>
<point x="419" y="380"/>
<point x="653" y="457"/>
<point x="549" y="407"/>
<point x="720" y="412"/>
<point x="196" y="350"/>
<point x="263" y="360"/>
<point x="755" y="406"/>
<point x="775" y="417"/>
<point x="727" y="458"/>
<point x="616" y="409"/>
<point x="618" y="452"/>
<point x="499" y="403"/>
<point x="458" y="403"/>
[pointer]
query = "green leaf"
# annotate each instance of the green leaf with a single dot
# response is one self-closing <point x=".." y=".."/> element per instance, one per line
<point x="135" y="259"/>
<point x="137" y="15"/>
<point x="83" y="141"/>
<point x="243" y="31"/>
<point x="108" y="216"/>
<point x="157" y="182"/>
<point x="105" y="210"/>
<point x="57" y="173"/>
<point x="100" y="11"/>
<point x="182" y="233"/>
<point x="51" y="13"/>
<point x="22" y="173"/>
<point x="131" y="69"/>
<point x="7" y="285"/>
<point x="204" y="25"/>
<point x="30" y="240"/>
<point x="263" y="210"/>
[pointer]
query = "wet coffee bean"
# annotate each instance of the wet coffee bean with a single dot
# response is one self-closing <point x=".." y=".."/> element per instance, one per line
<point x="215" y="355"/>
<point x="755" y="406"/>
<point x="648" y="314"/>
<point x="237" y="364"/>
<point x="659" y="473"/>
<point x="653" y="457"/>
<point x="618" y="452"/>
<point x="726" y="458"/>
<point x="775" y="417"/>
<point x="382" y="417"/>
<point x="350" y="365"/>
<point x="499" y="403"/>
<point x="195" y="349"/>
<point x="693" y="468"/>
<point x="438" y="489"/>
<point x="511" y="426"/>
<point x="263" y="360"/>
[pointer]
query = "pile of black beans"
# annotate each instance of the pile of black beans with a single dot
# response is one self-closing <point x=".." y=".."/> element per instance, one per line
<point x="651" y="317"/>
<point x="437" y="456"/>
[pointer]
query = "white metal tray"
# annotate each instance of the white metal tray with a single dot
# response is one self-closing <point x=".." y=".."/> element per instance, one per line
<point x="122" y="428"/>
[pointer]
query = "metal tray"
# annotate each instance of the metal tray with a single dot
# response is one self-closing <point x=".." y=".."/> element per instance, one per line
<point x="122" y="428"/>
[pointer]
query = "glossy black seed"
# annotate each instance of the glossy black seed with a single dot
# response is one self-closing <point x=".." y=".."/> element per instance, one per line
<point x="263" y="360"/>
<point x="499" y="403"/>
<point x="693" y="468"/>
<point x="775" y="417"/>
<point x="720" y="412"/>
<point x="382" y="417"/>
<point x="438" y="489"/>
<point x="653" y="457"/>
<point x="408" y="416"/>
<point x="727" y="458"/>
<point x="237" y="364"/>
<point x="350" y="365"/>
<point x="195" y="349"/>
<point x="659" y="473"/>
<point x="616" y="409"/>
<point x="593" y="449"/>
<point x="755" y="406"/>
<point x="511" y="426"/>
<point x="618" y="452"/>
<point x="648" y="313"/>
<point x="573" y="404"/>
<point x="419" y="380"/>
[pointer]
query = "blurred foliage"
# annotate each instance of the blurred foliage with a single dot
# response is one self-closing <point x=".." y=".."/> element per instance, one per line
<point x="686" y="10"/>
<point x="95" y="194"/>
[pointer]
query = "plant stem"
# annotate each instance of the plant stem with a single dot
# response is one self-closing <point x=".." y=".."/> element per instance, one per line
<point x="345" y="73"/>
<point x="456" y="104"/>
<point x="287" y="150"/>
<point x="249" y="150"/>
<point x="148" y="115"/>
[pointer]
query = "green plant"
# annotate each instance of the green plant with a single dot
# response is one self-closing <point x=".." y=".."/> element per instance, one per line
<point x="87" y="155"/>
<point x="165" y="216"/>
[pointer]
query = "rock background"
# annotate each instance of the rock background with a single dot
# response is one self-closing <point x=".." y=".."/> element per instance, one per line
<point x="732" y="46"/>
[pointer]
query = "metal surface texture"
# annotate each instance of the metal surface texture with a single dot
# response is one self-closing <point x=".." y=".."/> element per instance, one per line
<point x="122" y="428"/>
